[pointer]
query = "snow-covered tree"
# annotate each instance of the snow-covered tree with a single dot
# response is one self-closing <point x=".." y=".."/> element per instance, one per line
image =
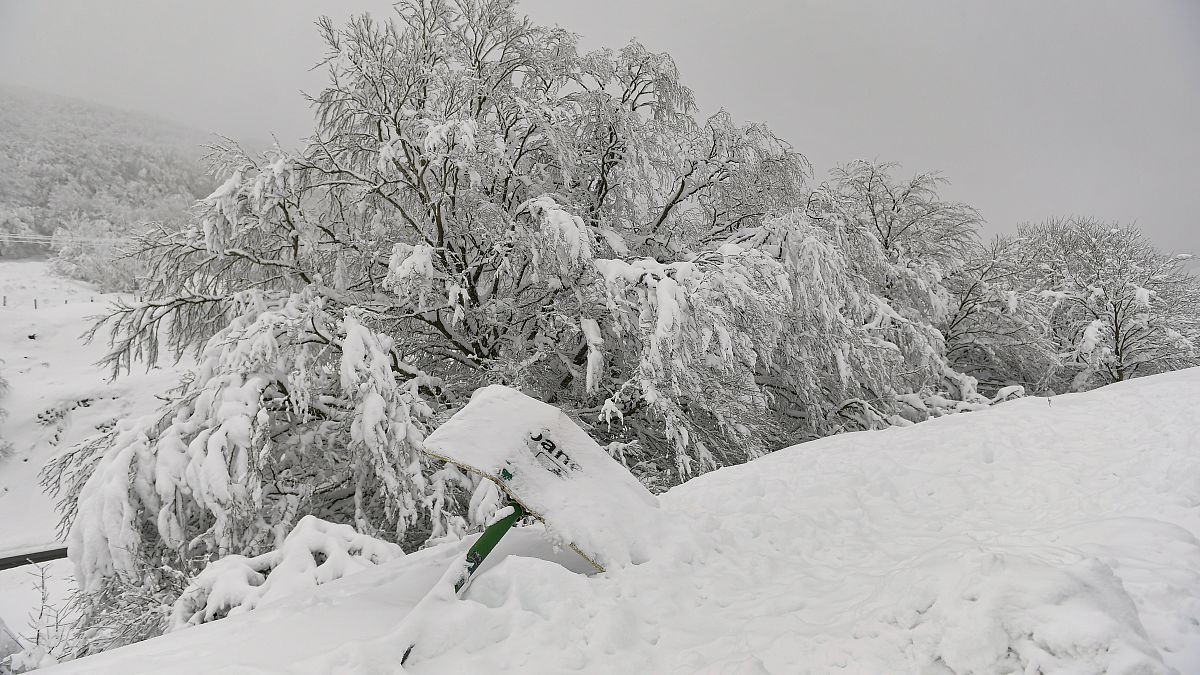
<point x="480" y="203"/>
<point x="920" y="237"/>
<point x="998" y="328"/>
<point x="16" y="221"/>
<point x="1119" y="307"/>
<point x="441" y="231"/>
<point x="909" y="217"/>
<point x="905" y="241"/>
<point x="69" y="162"/>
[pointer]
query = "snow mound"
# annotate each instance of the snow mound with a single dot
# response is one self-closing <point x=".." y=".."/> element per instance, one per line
<point x="1006" y="614"/>
<point x="1052" y="536"/>
<point x="315" y="552"/>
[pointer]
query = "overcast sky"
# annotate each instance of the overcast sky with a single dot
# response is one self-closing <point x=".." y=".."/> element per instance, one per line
<point x="1032" y="108"/>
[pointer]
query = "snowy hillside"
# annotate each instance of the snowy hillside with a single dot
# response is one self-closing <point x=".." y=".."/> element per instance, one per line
<point x="1040" y="536"/>
<point x="57" y="397"/>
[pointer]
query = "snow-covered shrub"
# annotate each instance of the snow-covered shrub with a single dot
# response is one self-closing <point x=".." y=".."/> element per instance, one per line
<point x="291" y="411"/>
<point x="121" y="609"/>
<point x="1010" y="614"/>
<point x="48" y="640"/>
<point x="313" y="553"/>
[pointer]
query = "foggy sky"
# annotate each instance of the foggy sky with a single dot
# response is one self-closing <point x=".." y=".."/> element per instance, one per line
<point x="1033" y="108"/>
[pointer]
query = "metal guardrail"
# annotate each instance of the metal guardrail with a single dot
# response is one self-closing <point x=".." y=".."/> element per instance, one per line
<point x="50" y="239"/>
<point x="32" y="558"/>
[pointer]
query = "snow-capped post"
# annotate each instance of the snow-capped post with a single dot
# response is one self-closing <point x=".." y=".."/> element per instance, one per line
<point x="487" y="541"/>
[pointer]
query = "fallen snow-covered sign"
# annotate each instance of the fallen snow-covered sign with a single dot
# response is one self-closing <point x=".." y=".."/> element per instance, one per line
<point x="548" y="468"/>
<point x="541" y="460"/>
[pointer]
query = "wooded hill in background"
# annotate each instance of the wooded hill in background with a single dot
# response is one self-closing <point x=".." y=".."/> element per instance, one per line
<point x="81" y="169"/>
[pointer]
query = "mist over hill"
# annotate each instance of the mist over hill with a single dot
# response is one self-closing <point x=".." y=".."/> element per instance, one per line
<point x="93" y="170"/>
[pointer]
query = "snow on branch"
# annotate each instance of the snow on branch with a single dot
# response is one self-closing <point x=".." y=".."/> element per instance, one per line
<point x="315" y="552"/>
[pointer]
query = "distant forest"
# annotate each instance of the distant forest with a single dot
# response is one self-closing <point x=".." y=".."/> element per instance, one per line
<point x="78" y="169"/>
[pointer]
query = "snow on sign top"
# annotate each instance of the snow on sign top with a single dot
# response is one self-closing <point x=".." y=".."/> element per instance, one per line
<point x="541" y="458"/>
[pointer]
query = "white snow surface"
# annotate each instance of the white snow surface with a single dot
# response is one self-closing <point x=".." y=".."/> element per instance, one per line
<point x="1053" y="536"/>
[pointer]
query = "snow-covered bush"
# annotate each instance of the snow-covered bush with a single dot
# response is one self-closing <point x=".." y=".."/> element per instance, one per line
<point x="48" y="640"/>
<point x="273" y="425"/>
<point x="313" y="553"/>
<point x="120" y="610"/>
<point x="1011" y="614"/>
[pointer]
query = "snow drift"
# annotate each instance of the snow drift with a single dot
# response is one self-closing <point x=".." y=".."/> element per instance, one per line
<point x="1039" y="536"/>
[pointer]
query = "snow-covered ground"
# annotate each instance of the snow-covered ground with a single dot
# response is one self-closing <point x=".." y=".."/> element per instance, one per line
<point x="57" y="397"/>
<point x="1040" y="536"/>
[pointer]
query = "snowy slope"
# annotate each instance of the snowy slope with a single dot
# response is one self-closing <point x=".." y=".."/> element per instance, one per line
<point x="57" y="397"/>
<point x="1040" y="536"/>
